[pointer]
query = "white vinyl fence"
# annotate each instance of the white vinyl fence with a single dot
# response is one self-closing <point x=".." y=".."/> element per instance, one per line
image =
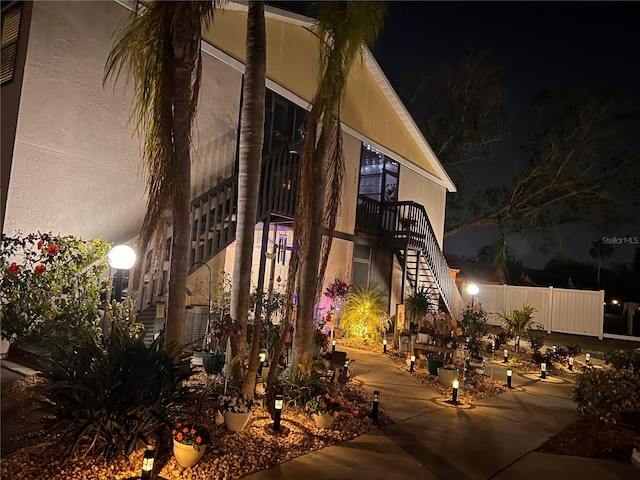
<point x="579" y="312"/>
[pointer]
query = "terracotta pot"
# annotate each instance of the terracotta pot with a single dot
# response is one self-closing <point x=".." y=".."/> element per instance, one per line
<point x="236" y="421"/>
<point x="186" y="455"/>
<point x="323" y="420"/>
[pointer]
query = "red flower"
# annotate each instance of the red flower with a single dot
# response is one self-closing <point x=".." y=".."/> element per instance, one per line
<point x="173" y="432"/>
<point x="14" y="269"/>
<point x="193" y="431"/>
<point x="458" y="332"/>
<point x="53" y="250"/>
<point x="198" y="439"/>
<point x="179" y="436"/>
<point x="185" y="430"/>
<point x="40" y="244"/>
<point x="40" y="269"/>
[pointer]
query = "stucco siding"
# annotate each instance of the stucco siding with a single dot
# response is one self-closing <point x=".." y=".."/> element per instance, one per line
<point x="416" y="188"/>
<point x="76" y="161"/>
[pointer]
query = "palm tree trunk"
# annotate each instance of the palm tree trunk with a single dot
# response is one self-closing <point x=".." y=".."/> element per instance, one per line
<point x="251" y="139"/>
<point x="310" y="261"/>
<point x="186" y="49"/>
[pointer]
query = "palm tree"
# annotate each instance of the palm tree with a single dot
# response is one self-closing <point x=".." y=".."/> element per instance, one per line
<point x="251" y="139"/>
<point x="160" y="49"/>
<point x="600" y="250"/>
<point x="343" y="27"/>
<point x="517" y="323"/>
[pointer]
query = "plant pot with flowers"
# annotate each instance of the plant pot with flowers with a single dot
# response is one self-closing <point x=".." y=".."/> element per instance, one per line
<point x="189" y="443"/>
<point x="236" y="410"/>
<point x="324" y="409"/>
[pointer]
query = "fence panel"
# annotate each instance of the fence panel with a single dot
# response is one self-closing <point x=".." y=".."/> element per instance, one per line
<point x="561" y="310"/>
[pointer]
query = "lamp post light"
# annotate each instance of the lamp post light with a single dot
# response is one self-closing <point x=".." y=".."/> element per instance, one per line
<point x="505" y="355"/>
<point x="509" y="375"/>
<point x="472" y="289"/>
<point x="120" y="258"/>
<point x="278" y="412"/>
<point x="571" y="364"/>
<point x="543" y="370"/>
<point x="333" y="346"/>
<point x="375" y="408"/>
<point x="413" y="362"/>
<point x="147" y="464"/>
<point x="384" y="346"/>
<point x="454" y="393"/>
<point x="587" y="358"/>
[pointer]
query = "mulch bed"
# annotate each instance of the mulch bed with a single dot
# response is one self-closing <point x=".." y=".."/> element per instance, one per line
<point x="594" y="438"/>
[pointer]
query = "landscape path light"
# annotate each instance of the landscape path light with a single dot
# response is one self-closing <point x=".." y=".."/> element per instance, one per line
<point x="147" y="464"/>
<point x="509" y="375"/>
<point x="587" y="358"/>
<point x="571" y="364"/>
<point x="543" y="370"/>
<point x="375" y="408"/>
<point x="333" y="346"/>
<point x="121" y="258"/>
<point x="262" y="358"/>
<point x="278" y="404"/>
<point x="454" y="393"/>
<point x="413" y="362"/>
<point x="384" y="346"/>
<point x="505" y="356"/>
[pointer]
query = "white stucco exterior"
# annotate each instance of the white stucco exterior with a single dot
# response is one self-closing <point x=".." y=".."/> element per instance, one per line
<point x="76" y="163"/>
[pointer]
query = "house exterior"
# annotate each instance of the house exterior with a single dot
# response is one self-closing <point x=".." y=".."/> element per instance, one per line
<point x="70" y="163"/>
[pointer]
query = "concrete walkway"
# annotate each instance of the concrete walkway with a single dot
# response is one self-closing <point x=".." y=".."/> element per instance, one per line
<point x="493" y="439"/>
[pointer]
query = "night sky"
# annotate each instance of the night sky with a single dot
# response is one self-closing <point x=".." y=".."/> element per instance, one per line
<point x="544" y="46"/>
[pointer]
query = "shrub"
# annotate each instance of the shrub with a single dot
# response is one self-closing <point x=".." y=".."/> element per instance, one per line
<point x="518" y="323"/>
<point x="536" y="339"/>
<point x="50" y="287"/>
<point x="573" y="350"/>
<point x="608" y="393"/>
<point x="297" y="391"/>
<point x="625" y="359"/>
<point x="108" y="398"/>
<point x="474" y="325"/>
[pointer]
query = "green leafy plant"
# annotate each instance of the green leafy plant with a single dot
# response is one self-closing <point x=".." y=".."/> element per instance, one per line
<point x="300" y="389"/>
<point x="608" y="394"/>
<point x="518" y="323"/>
<point x="474" y="325"/>
<point x="419" y="303"/>
<point x="536" y="339"/>
<point x="108" y="398"/>
<point x="325" y="404"/>
<point x="365" y="314"/>
<point x="624" y="359"/>
<point x="50" y="287"/>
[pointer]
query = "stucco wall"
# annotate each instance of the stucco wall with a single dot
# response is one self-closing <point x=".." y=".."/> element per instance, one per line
<point x="76" y="165"/>
<point x="432" y="196"/>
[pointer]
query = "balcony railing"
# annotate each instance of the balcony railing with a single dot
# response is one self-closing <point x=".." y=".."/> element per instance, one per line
<point x="406" y="225"/>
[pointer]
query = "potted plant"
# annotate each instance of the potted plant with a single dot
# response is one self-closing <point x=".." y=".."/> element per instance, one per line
<point x="213" y="357"/>
<point x="236" y="410"/>
<point x="323" y="409"/>
<point x="419" y="303"/>
<point x="189" y="442"/>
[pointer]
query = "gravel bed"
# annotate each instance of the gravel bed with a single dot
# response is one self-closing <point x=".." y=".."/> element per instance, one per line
<point x="229" y="456"/>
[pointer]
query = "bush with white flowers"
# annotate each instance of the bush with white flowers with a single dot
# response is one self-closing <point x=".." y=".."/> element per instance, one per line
<point x="241" y="403"/>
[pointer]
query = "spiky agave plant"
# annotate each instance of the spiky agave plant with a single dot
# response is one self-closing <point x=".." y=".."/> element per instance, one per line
<point x="365" y="314"/>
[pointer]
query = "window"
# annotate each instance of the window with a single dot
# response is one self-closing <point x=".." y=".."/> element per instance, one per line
<point x="378" y="175"/>
<point x="361" y="265"/>
<point x="283" y="123"/>
<point x="10" y="29"/>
